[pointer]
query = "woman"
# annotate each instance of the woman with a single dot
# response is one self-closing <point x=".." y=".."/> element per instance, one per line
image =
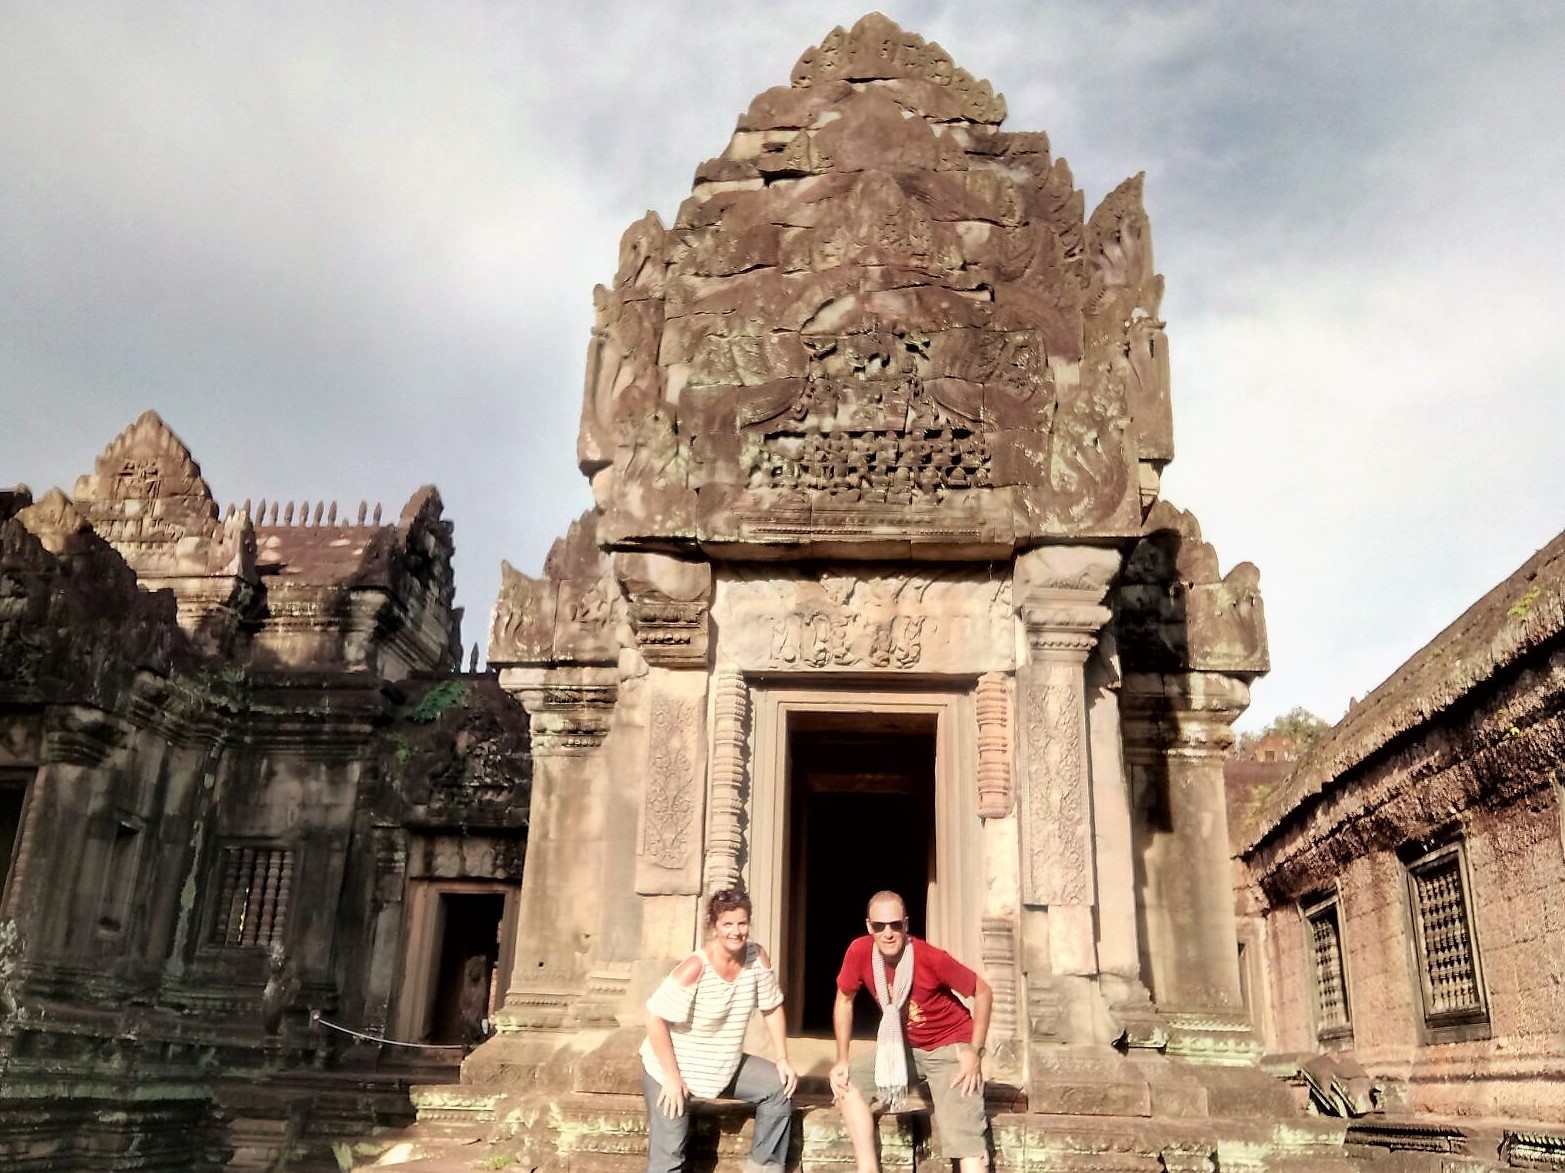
<point x="696" y="1024"/>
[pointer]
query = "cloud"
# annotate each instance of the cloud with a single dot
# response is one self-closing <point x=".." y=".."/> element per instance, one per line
<point x="349" y="249"/>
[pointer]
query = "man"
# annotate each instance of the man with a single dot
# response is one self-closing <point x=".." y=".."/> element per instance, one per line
<point x="925" y="1033"/>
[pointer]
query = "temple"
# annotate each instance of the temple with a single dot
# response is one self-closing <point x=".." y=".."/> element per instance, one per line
<point x="879" y="590"/>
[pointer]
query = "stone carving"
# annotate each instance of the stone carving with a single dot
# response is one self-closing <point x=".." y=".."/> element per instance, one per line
<point x="667" y="828"/>
<point x="878" y="48"/>
<point x="1056" y="826"/>
<point x="668" y="601"/>
<point x="669" y="859"/>
<point x="875" y="300"/>
<point x="995" y="790"/>
<point x="838" y="622"/>
<point x="146" y="497"/>
<point x="997" y="943"/>
<point x="566" y="616"/>
<point x="1177" y="612"/>
<point x="1125" y="338"/>
<point x="730" y="782"/>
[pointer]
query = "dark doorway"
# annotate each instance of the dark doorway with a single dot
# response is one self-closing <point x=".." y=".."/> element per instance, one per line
<point x="470" y="929"/>
<point x="861" y="818"/>
<point x="13" y="798"/>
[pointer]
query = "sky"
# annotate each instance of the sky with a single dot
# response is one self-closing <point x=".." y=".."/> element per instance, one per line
<point x="345" y="250"/>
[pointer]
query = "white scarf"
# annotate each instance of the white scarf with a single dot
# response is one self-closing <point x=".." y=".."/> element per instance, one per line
<point x="890" y="1048"/>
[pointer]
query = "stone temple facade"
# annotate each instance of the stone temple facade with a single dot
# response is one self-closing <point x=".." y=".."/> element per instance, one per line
<point x="242" y="783"/>
<point x="879" y="590"/>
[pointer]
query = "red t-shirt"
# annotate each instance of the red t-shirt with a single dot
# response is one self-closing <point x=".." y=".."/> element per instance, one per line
<point x="932" y="1017"/>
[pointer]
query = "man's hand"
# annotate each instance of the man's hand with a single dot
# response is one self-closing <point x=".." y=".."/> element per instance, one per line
<point x="969" y="1077"/>
<point x="839" y="1079"/>
<point x="789" y="1077"/>
<point x="673" y="1096"/>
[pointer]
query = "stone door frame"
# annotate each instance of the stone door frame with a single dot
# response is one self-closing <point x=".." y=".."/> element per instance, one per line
<point x="425" y="938"/>
<point x="957" y="897"/>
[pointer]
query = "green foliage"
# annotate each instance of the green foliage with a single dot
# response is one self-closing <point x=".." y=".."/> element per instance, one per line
<point x="441" y="699"/>
<point x="498" y="1161"/>
<point x="1303" y="727"/>
<point x="1523" y="606"/>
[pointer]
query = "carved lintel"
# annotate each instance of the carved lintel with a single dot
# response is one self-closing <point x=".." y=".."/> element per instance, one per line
<point x="996" y="794"/>
<point x="668" y="859"/>
<point x="730" y="782"/>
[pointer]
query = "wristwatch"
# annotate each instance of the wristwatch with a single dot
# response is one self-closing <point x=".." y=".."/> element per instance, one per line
<point x="979" y="1051"/>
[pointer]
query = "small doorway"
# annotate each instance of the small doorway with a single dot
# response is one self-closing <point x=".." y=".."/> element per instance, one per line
<point x="860" y="818"/>
<point x="13" y="802"/>
<point x="468" y="951"/>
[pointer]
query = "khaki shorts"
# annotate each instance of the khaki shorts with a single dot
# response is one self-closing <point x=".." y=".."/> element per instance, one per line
<point x="959" y="1119"/>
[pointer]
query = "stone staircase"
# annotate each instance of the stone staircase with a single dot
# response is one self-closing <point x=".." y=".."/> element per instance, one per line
<point x="1089" y="1114"/>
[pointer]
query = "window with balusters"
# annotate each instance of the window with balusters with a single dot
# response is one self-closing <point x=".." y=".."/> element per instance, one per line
<point x="1323" y="926"/>
<point x="1445" y="944"/>
<point x="254" y="885"/>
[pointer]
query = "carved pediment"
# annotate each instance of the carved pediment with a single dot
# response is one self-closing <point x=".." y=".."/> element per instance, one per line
<point x="876" y="301"/>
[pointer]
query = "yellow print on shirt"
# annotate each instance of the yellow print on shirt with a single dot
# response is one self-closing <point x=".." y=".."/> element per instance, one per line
<point x="914" y="1014"/>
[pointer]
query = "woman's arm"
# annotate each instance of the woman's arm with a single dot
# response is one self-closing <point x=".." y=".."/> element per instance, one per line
<point x="777" y="1028"/>
<point x="674" y="1095"/>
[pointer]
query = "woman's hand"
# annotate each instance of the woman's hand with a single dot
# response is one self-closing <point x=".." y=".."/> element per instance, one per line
<point x="789" y="1077"/>
<point x="673" y="1096"/>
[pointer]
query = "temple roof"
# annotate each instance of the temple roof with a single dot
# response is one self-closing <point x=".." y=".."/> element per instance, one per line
<point x="879" y="322"/>
<point x="1515" y="619"/>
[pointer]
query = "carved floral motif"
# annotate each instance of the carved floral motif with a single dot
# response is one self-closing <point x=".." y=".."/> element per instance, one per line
<point x="668" y="825"/>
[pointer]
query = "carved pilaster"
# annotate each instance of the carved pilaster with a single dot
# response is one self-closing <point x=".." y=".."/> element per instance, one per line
<point x="996" y="793"/>
<point x="1062" y="627"/>
<point x="668" y="858"/>
<point x="730" y="782"/>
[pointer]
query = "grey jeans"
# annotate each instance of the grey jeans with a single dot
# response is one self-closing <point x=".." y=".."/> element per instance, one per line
<point x="756" y="1081"/>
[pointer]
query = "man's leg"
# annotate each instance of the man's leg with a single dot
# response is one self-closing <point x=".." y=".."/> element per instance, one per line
<point x="858" y="1114"/>
<point x="666" y="1135"/>
<point x="758" y="1082"/>
<point x="959" y="1119"/>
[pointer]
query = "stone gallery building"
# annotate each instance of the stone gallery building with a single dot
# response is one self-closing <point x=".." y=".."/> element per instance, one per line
<point x="1403" y="890"/>
<point x="241" y="780"/>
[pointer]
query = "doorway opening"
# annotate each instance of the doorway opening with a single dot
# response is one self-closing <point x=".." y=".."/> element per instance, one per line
<point x="468" y="951"/>
<point x="860" y="818"/>
<point x="13" y="802"/>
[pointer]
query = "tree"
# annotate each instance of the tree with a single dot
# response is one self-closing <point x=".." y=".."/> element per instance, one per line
<point x="1298" y="724"/>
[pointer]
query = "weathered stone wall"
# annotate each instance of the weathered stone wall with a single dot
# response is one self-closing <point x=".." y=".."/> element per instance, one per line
<point x="218" y="785"/>
<point x="1460" y="748"/>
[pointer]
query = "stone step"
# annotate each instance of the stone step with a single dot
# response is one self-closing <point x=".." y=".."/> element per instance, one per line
<point x="598" y="1133"/>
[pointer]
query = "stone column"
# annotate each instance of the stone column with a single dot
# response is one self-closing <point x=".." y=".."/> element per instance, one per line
<point x="563" y="886"/>
<point x="1178" y="726"/>
<point x="1059" y="593"/>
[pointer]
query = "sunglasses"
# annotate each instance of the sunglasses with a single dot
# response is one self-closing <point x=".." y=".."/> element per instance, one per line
<point x="880" y="926"/>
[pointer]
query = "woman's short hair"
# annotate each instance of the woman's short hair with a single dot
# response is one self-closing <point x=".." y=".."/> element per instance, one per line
<point x="726" y="900"/>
